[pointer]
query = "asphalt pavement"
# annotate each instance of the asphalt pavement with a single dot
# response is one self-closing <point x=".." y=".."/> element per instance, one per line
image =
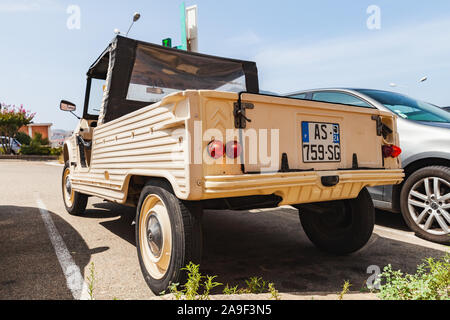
<point x="43" y="249"/>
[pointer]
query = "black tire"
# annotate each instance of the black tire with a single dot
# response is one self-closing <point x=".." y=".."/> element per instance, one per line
<point x="77" y="203"/>
<point x="416" y="183"/>
<point x="339" y="227"/>
<point x="185" y="233"/>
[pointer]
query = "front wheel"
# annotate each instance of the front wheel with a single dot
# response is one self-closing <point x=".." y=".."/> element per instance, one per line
<point x="168" y="237"/>
<point x="74" y="201"/>
<point x="339" y="227"/>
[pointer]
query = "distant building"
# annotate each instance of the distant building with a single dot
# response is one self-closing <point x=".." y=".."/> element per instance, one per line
<point x="42" y="128"/>
<point x="58" y="137"/>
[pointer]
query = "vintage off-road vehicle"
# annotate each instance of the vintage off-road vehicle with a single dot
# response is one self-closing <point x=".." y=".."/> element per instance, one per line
<point x="173" y="132"/>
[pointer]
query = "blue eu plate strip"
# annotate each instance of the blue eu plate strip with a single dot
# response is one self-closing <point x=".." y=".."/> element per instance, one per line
<point x="336" y="137"/>
<point x="305" y="132"/>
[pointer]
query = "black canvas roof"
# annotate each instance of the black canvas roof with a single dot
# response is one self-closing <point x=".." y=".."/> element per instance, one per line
<point x="120" y="57"/>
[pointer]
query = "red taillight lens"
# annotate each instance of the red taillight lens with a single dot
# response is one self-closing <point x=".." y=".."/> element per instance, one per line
<point x="233" y="149"/>
<point x="216" y="149"/>
<point x="391" y="151"/>
<point x="396" y="151"/>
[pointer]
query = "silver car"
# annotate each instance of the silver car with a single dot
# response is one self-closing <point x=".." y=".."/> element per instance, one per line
<point x="15" y="145"/>
<point x="424" y="196"/>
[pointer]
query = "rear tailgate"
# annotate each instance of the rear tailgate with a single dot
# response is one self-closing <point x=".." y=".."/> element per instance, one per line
<point x="298" y="135"/>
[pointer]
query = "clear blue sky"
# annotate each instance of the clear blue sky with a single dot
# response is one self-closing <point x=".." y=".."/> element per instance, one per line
<point x="297" y="45"/>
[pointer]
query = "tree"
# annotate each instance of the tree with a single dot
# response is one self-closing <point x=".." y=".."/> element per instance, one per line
<point x="23" y="138"/>
<point x="12" y="118"/>
<point x="37" y="146"/>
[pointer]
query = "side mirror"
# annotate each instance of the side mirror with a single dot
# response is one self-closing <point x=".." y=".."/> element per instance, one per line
<point x="67" y="106"/>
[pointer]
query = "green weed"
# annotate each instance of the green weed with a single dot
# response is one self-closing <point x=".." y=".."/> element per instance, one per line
<point x="91" y="281"/>
<point x="430" y="282"/>
<point x="191" y="289"/>
<point x="345" y="289"/>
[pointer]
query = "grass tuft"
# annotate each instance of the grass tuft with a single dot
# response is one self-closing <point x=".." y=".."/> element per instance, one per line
<point x="345" y="289"/>
<point x="91" y="281"/>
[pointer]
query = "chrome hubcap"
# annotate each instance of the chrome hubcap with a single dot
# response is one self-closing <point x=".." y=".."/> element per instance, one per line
<point x="68" y="185"/>
<point x="429" y="205"/>
<point x="154" y="235"/>
<point x="67" y="188"/>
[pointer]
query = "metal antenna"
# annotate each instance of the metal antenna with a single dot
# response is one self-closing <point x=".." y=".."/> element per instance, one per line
<point x="136" y="17"/>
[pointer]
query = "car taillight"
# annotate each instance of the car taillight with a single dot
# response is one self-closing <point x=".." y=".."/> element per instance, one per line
<point x="216" y="149"/>
<point x="233" y="149"/>
<point x="391" y="151"/>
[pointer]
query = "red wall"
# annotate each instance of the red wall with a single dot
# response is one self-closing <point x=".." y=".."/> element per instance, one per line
<point x="37" y="128"/>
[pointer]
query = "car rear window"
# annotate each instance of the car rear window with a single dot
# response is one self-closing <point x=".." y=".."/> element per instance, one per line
<point x="341" y="98"/>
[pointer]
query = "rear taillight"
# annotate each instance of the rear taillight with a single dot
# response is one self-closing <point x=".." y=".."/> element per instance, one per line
<point x="391" y="151"/>
<point x="233" y="149"/>
<point x="216" y="149"/>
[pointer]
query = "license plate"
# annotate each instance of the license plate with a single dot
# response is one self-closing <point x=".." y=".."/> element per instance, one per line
<point x="321" y="142"/>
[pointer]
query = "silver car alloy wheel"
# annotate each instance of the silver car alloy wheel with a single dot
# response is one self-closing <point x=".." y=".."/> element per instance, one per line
<point x="429" y="205"/>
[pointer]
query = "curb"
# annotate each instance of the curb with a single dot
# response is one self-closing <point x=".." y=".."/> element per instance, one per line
<point x="28" y="157"/>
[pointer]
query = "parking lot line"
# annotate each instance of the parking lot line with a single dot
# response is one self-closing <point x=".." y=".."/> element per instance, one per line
<point x="74" y="278"/>
<point x="408" y="237"/>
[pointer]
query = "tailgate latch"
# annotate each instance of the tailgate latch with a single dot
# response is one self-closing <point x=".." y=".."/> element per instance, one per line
<point x="379" y="124"/>
<point x="382" y="129"/>
<point x="240" y="119"/>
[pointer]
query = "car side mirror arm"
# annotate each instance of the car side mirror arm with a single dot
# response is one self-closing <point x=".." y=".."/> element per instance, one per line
<point x="75" y="115"/>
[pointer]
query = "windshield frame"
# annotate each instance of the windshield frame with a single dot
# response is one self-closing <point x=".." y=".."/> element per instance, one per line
<point x="87" y="94"/>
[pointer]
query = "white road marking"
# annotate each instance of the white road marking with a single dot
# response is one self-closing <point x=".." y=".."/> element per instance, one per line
<point x="74" y="278"/>
<point x="408" y="234"/>
<point x="408" y="237"/>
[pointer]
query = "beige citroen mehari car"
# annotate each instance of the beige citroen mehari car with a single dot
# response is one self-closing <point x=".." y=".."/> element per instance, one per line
<point x="173" y="133"/>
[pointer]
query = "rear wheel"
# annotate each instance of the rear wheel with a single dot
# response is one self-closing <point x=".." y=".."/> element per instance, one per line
<point x="168" y="237"/>
<point x="339" y="227"/>
<point x="425" y="203"/>
<point x="74" y="202"/>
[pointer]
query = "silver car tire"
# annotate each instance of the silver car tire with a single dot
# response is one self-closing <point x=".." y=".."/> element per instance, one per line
<point x="425" y="203"/>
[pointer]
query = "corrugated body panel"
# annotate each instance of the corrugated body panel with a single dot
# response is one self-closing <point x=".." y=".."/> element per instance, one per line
<point x="133" y="143"/>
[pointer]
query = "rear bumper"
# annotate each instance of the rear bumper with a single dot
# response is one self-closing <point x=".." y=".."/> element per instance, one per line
<point x="299" y="187"/>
